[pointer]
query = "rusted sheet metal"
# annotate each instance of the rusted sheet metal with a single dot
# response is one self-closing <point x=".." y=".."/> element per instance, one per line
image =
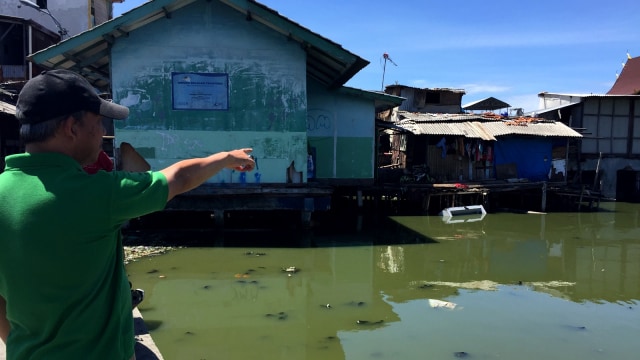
<point x="433" y="117"/>
<point x="546" y="129"/>
<point x="474" y="130"/>
<point x="476" y="126"/>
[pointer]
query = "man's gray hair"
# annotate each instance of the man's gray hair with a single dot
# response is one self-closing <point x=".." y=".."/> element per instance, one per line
<point x="39" y="132"/>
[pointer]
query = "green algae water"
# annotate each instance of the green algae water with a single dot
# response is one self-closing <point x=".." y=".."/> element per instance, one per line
<point x="507" y="286"/>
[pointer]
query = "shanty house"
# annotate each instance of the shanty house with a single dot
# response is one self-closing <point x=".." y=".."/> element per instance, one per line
<point x="428" y="100"/>
<point x="611" y="126"/>
<point x="475" y="147"/>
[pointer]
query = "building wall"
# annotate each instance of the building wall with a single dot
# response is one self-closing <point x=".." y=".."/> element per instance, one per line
<point x="546" y="100"/>
<point x="613" y="124"/>
<point x="612" y="128"/>
<point x="14" y="65"/>
<point x="73" y="15"/>
<point x="267" y="96"/>
<point x="428" y="100"/>
<point x="341" y="130"/>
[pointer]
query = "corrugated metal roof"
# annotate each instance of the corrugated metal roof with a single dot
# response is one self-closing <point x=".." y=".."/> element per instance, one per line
<point x="541" y="128"/>
<point x="473" y="130"/>
<point x="7" y="108"/>
<point x="431" y="117"/>
<point x="543" y="94"/>
<point x="89" y="52"/>
<point x="486" y="129"/>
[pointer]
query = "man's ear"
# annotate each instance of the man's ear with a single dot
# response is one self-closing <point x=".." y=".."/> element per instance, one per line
<point x="68" y="127"/>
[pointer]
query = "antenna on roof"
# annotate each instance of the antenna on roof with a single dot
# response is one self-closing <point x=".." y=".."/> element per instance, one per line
<point x="384" y="67"/>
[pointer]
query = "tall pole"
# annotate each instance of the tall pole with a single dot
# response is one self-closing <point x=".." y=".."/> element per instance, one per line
<point x="384" y="67"/>
<point x="61" y="30"/>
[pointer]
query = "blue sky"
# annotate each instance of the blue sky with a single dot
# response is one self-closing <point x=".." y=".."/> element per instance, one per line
<point x="511" y="50"/>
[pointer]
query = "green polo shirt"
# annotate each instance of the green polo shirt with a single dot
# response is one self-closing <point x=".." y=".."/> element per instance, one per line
<point x="61" y="258"/>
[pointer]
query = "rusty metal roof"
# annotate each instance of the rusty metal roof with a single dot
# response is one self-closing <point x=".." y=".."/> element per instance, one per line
<point x="469" y="129"/>
<point x="546" y="128"/>
<point x="439" y="117"/>
<point x="89" y="52"/>
<point x="477" y="126"/>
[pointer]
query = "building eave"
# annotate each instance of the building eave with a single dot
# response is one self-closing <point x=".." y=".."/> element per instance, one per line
<point x="89" y="52"/>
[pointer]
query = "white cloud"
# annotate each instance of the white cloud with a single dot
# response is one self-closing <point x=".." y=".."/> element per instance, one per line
<point x="471" y="89"/>
<point x="420" y="83"/>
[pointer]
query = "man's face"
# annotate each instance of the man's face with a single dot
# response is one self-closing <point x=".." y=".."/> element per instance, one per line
<point x="89" y="138"/>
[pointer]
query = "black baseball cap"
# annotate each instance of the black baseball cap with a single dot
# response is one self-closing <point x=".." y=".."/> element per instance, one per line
<point x="62" y="92"/>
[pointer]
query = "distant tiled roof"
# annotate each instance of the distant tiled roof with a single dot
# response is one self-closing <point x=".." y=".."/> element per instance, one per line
<point x="628" y="82"/>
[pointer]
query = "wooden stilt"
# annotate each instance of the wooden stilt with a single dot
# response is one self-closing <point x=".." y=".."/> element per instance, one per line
<point x="218" y="217"/>
<point x="543" y="206"/>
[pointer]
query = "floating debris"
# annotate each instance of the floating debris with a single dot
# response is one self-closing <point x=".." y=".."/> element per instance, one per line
<point x="367" y="322"/>
<point x="281" y="315"/>
<point x="356" y="303"/>
<point x="291" y="269"/>
<point x="133" y="253"/>
<point x="576" y="327"/>
<point x="461" y="354"/>
<point x="434" y="303"/>
<point x="252" y="253"/>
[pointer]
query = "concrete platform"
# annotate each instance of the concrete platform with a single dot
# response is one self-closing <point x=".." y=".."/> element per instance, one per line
<point x="145" y="348"/>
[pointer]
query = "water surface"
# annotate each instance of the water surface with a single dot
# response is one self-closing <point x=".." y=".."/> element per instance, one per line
<point x="509" y="286"/>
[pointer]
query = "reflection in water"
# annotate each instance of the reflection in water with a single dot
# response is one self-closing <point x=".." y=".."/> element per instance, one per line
<point x="525" y="286"/>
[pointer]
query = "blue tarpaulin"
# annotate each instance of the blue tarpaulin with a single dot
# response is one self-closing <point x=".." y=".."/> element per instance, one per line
<point x="532" y="156"/>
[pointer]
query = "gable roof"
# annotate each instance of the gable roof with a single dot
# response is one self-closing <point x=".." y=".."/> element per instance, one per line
<point x="89" y="52"/>
<point x="381" y="100"/>
<point x="489" y="103"/>
<point x="628" y="82"/>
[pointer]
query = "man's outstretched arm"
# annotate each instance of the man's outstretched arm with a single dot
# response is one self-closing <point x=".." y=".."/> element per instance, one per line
<point x="4" y="323"/>
<point x="188" y="174"/>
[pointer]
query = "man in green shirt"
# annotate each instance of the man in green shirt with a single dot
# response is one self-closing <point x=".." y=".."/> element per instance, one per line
<point x="64" y="293"/>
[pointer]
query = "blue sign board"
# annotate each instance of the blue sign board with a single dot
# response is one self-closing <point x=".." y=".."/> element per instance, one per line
<point x="200" y="91"/>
